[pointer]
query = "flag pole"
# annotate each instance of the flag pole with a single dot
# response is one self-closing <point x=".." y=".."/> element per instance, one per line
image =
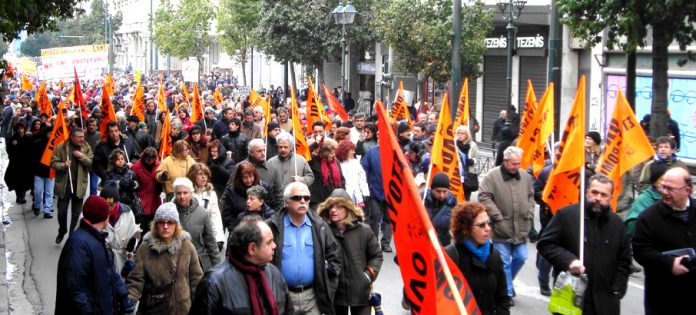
<point x="427" y="181"/>
<point x="126" y="152"/>
<point x="582" y="215"/>
<point x="67" y="158"/>
<point x="445" y="269"/>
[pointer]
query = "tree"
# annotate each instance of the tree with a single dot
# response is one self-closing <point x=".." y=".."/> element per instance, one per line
<point x="183" y="31"/>
<point x="34" y="16"/>
<point x="3" y="47"/>
<point x="421" y="32"/>
<point x="632" y="19"/>
<point x="237" y="20"/>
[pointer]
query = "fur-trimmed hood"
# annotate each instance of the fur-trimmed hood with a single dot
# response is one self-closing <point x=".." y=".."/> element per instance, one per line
<point x="158" y="246"/>
<point x="357" y="213"/>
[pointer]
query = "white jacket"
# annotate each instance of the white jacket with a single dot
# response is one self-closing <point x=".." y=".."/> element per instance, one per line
<point x="209" y="201"/>
<point x="119" y="235"/>
<point x="356" y="180"/>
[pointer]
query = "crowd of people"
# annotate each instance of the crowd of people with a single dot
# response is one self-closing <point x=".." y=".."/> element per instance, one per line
<point x="234" y="220"/>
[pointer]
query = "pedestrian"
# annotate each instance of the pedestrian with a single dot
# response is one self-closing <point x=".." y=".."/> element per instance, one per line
<point x="271" y="142"/>
<point x="71" y="161"/>
<point x="509" y="199"/>
<point x="327" y="171"/>
<point x="88" y="282"/>
<point x="249" y="128"/>
<point x="255" y="205"/>
<point x="167" y="270"/>
<point x="468" y="153"/>
<point x="606" y="251"/>
<point x="439" y="202"/>
<point x="507" y="137"/>
<point x="235" y="142"/>
<point x="199" y="174"/>
<point x="93" y="136"/>
<point x="220" y="167"/>
<point x="221" y="127"/>
<point x="376" y="206"/>
<point x="246" y="282"/>
<point x="125" y="178"/>
<point x="367" y="140"/>
<point x="198" y="142"/>
<point x="666" y="154"/>
<point x="18" y="150"/>
<point x="669" y="224"/>
<point x="43" y="183"/>
<point x="354" y="174"/>
<point x="114" y="140"/>
<point x="478" y="260"/>
<point x="593" y="152"/>
<point x="304" y="240"/>
<point x="498" y="125"/>
<point x="121" y="225"/>
<point x="149" y="189"/>
<point x="287" y="167"/>
<point x="233" y="200"/>
<point x="176" y="165"/>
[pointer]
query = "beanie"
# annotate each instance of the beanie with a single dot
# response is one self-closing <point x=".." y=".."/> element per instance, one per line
<point x="595" y="137"/>
<point x="440" y="180"/>
<point x="340" y="193"/>
<point x="402" y="128"/>
<point x="167" y="212"/>
<point x="110" y="190"/>
<point x="273" y="125"/>
<point x="95" y="209"/>
<point x="657" y="169"/>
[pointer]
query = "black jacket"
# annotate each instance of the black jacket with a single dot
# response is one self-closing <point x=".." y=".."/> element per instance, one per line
<point x="487" y="281"/>
<point x="319" y="190"/>
<point x="100" y="162"/>
<point x="20" y="156"/>
<point x="271" y="148"/>
<point x="607" y="254"/>
<point x="237" y="143"/>
<point x="87" y="280"/>
<point x="233" y="202"/>
<point x="440" y="213"/>
<point x="220" y="172"/>
<point x="327" y="263"/>
<point x="659" y="230"/>
<point x="223" y="290"/>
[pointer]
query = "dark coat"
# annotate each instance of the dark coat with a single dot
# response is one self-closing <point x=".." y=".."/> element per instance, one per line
<point x="220" y="172"/>
<point x="221" y="128"/>
<point x="20" y="155"/>
<point x="150" y="189"/>
<point x="327" y="263"/>
<point x="487" y="281"/>
<point x="104" y="149"/>
<point x="440" y="213"/>
<point x="87" y="280"/>
<point x="223" y="290"/>
<point x="196" y="221"/>
<point x="232" y="203"/>
<point x="271" y="148"/>
<point x="38" y="145"/>
<point x="265" y="213"/>
<point x="319" y="190"/>
<point x="607" y="254"/>
<point x="237" y="143"/>
<point x="127" y="183"/>
<point x="659" y="230"/>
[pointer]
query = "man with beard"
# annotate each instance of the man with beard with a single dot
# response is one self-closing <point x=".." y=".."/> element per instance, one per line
<point x="403" y="136"/>
<point x="251" y="129"/>
<point x="284" y="120"/>
<point x="114" y="140"/>
<point x="271" y="143"/>
<point x="606" y="252"/>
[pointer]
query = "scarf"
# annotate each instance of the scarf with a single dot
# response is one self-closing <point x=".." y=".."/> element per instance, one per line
<point x="251" y="274"/>
<point x="331" y="174"/>
<point x="114" y="214"/>
<point x="481" y="252"/>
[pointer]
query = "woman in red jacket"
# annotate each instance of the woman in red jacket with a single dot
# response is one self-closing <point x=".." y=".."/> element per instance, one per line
<point x="150" y="189"/>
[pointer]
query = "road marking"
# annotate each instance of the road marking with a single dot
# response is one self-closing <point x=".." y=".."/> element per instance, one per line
<point x="529" y="291"/>
<point x="637" y="286"/>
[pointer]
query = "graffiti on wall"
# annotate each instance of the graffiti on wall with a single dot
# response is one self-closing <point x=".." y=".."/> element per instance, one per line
<point x="681" y="99"/>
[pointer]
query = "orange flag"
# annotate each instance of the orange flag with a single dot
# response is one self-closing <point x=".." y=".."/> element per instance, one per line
<point x="217" y="96"/>
<point x="315" y="109"/>
<point x="301" y="146"/>
<point x="161" y="99"/>
<point x="26" y="84"/>
<point x="139" y="103"/>
<point x="424" y="267"/>
<point x="196" y="105"/>
<point x="544" y="129"/>
<point x="184" y="92"/>
<point x="108" y="112"/>
<point x="44" y="104"/>
<point x="444" y="157"/>
<point x="463" y="106"/>
<point x="334" y="104"/>
<point x="109" y="84"/>
<point x="528" y="125"/>
<point x="400" y="109"/>
<point x="563" y="186"/>
<point x="256" y="100"/>
<point x="78" y="99"/>
<point x="626" y="145"/>
<point x="166" y="137"/>
<point x="58" y="136"/>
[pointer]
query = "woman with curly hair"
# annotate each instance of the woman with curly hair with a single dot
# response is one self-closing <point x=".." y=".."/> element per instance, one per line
<point x="199" y="144"/>
<point x="203" y="191"/>
<point x="478" y="260"/>
<point x="356" y="180"/>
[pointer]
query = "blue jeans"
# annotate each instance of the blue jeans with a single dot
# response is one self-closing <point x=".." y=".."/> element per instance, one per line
<point x="513" y="256"/>
<point x="43" y="193"/>
<point x="93" y="181"/>
<point x="544" y="269"/>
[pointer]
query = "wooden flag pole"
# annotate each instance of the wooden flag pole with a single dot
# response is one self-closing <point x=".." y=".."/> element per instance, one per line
<point x="67" y="158"/>
<point x="582" y="215"/>
<point x="445" y="269"/>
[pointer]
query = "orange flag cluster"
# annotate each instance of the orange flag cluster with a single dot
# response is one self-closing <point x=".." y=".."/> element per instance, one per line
<point x="301" y="146"/>
<point x="626" y="145"/>
<point x="444" y="157"/>
<point x="536" y="127"/>
<point x="334" y="104"/>
<point x="400" y="109"/>
<point x="428" y="273"/>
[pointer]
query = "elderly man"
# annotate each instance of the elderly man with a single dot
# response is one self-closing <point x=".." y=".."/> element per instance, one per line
<point x="509" y="199"/>
<point x="667" y="225"/>
<point x="245" y="282"/>
<point x="607" y="254"/>
<point x="71" y="160"/>
<point x="287" y="167"/>
<point x="284" y="119"/>
<point x="196" y="221"/>
<point x="305" y="240"/>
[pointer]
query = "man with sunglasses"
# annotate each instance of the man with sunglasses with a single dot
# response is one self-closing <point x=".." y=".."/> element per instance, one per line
<point x="307" y="253"/>
<point x="607" y="254"/>
<point x="667" y="225"/>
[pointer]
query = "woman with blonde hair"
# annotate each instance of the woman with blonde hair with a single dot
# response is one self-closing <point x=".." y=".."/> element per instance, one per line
<point x="203" y="191"/>
<point x="362" y="256"/>
<point x="468" y="152"/>
<point x="176" y="165"/>
<point x="167" y="270"/>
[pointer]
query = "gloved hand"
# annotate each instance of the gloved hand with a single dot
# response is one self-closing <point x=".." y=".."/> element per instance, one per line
<point x="128" y="305"/>
<point x="470" y="162"/>
<point x="164" y="176"/>
<point x="220" y="245"/>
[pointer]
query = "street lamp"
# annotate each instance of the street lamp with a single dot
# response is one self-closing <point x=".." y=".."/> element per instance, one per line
<point x="506" y="9"/>
<point x="344" y="15"/>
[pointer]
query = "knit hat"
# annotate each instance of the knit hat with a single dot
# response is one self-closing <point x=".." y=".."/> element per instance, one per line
<point x="341" y="193"/>
<point x="142" y="125"/>
<point x="95" y="209"/>
<point x="402" y="128"/>
<point x="110" y="190"/>
<point x="273" y="125"/>
<point x="595" y="137"/>
<point x="657" y="169"/>
<point x="440" y="180"/>
<point x="167" y="212"/>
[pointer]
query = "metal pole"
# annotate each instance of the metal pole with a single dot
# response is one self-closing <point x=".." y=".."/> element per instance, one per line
<point x="343" y="63"/>
<point x="456" y="59"/>
<point x="150" y="39"/>
<point x="554" y="67"/>
<point x="251" y="81"/>
<point x="510" y="43"/>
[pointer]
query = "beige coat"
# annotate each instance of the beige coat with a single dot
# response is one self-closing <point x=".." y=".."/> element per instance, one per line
<point x="84" y="164"/>
<point x="175" y="168"/>
<point x="510" y="205"/>
<point x="154" y="267"/>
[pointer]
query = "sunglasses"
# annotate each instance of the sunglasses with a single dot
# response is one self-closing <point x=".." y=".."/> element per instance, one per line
<point x="300" y="197"/>
<point x="483" y="224"/>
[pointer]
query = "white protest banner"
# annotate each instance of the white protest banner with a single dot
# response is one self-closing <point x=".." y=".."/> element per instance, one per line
<point x="90" y="61"/>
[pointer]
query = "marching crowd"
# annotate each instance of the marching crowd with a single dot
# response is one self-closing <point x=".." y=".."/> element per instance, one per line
<point x="233" y="220"/>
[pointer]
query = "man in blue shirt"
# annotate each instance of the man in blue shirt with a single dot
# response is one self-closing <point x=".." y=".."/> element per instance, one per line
<point x="307" y="253"/>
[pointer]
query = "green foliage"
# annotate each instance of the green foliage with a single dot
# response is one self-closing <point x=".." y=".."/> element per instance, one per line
<point x="34" y="16"/>
<point x="3" y="47"/>
<point x="237" y="20"/>
<point x="183" y="31"/>
<point x="304" y="31"/>
<point x="421" y="34"/>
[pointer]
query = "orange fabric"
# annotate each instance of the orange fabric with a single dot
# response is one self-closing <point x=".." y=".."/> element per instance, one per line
<point x="165" y="136"/>
<point x="139" y="103"/>
<point x="26" y="84"/>
<point x="626" y="145"/>
<point x="196" y="105"/>
<point x="108" y="112"/>
<point x="217" y="96"/>
<point x="463" y="106"/>
<point x="44" y="104"/>
<point x="444" y="157"/>
<point x="161" y="99"/>
<point x="78" y="99"/>
<point x="421" y="270"/>
<point x="315" y="109"/>
<point x="58" y="136"/>
<point x="256" y="100"/>
<point x="545" y="110"/>
<point x="528" y="125"/>
<point x="400" y="109"/>
<point x="563" y="186"/>
<point x="109" y="84"/>
<point x="184" y="92"/>
<point x="334" y="104"/>
<point x="301" y="146"/>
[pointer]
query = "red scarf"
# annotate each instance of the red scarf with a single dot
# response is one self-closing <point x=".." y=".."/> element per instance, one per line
<point x="331" y="172"/>
<point x="252" y="274"/>
<point x="114" y="214"/>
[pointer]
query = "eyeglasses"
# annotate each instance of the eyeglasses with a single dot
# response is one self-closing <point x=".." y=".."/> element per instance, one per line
<point x="668" y="189"/>
<point x="166" y="222"/>
<point x="483" y="224"/>
<point x="300" y="197"/>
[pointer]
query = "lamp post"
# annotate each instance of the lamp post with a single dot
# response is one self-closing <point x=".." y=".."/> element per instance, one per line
<point x="506" y="9"/>
<point x="344" y="15"/>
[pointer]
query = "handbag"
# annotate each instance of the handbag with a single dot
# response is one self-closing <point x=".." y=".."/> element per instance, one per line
<point x="470" y="181"/>
<point x="160" y="300"/>
<point x="568" y="294"/>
